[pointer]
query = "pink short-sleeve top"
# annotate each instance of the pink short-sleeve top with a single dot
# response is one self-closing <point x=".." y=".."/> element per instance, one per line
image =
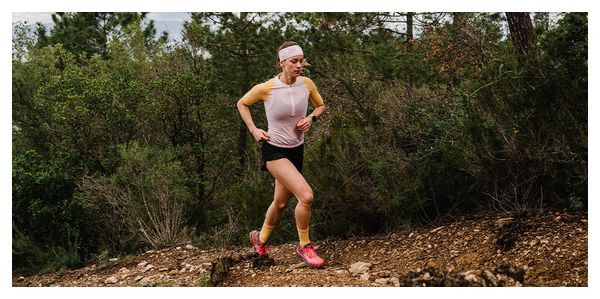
<point x="285" y="106"/>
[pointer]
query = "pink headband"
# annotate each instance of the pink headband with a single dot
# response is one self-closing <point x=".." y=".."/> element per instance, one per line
<point x="290" y="51"/>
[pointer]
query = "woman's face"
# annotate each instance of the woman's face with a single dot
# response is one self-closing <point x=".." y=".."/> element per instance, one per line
<point x="293" y="65"/>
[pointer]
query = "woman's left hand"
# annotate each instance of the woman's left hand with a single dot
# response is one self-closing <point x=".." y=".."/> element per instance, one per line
<point x="304" y="124"/>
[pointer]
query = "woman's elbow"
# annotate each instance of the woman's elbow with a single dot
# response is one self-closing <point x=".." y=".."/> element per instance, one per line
<point x="240" y="104"/>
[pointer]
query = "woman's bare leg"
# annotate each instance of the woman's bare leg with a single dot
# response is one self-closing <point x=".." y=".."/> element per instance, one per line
<point x="280" y="201"/>
<point x="286" y="173"/>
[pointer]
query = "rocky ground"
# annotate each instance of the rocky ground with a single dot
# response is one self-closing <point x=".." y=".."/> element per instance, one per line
<point x="545" y="248"/>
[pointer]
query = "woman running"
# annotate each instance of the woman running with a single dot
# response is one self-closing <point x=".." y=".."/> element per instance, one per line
<point x="286" y="102"/>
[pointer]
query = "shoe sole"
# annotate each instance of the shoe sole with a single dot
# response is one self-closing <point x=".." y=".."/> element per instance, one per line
<point x="315" y="267"/>
<point x="311" y="265"/>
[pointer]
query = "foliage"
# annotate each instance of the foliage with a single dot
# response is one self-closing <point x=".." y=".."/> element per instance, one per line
<point x="47" y="225"/>
<point x="142" y="203"/>
<point x="89" y="33"/>
<point x="204" y="280"/>
<point x="537" y="142"/>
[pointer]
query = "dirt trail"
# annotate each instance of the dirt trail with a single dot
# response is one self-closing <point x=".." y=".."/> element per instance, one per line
<point x="544" y="249"/>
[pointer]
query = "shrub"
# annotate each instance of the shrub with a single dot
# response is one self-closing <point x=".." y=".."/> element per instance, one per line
<point x="46" y="222"/>
<point x="143" y="202"/>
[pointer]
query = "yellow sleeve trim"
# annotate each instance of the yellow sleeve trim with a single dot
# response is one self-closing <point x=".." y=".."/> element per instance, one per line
<point x="314" y="95"/>
<point x="258" y="92"/>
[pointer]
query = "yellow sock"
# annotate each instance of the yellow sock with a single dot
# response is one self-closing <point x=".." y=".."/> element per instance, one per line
<point x="265" y="232"/>
<point x="303" y="233"/>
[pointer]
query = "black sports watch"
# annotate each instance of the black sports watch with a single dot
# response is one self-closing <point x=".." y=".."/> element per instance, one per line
<point x="314" y="117"/>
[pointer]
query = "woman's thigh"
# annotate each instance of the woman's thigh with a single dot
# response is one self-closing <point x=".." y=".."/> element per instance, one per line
<point x="286" y="173"/>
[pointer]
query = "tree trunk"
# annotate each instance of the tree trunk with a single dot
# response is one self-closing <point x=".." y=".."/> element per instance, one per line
<point x="521" y="31"/>
<point x="458" y="20"/>
<point x="459" y="23"/>
<point x="409" y="26"/>
<point x="244" y="86"/>
<point x="409" y="48"/>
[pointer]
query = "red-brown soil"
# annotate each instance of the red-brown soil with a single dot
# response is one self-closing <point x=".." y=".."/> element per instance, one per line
<point x="545" y="248"/>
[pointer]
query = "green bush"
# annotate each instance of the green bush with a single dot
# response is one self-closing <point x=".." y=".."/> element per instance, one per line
<point x="536" y="146"/>
<point x="46" y="222"/>
<point x="143" y="203"/>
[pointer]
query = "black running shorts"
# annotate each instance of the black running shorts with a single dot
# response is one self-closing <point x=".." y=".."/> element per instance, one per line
<point x="271" y="152"/>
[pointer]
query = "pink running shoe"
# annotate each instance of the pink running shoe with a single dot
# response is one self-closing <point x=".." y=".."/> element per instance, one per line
<point x="260" y="248"/>
<point x="309" y="255"/>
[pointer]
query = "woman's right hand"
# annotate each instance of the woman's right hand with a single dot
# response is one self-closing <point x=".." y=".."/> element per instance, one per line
<point x="260" y="135"/>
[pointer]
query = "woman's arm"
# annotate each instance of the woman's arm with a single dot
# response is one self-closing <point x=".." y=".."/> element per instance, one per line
<point x="318" y="111"/>
<point x="305" y="123"/>
<point x="258" y="134"/>
<point x="314" y="96"/>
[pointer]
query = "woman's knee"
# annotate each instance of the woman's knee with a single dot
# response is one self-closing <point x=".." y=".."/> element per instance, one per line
<point x="280" y="205"/>
<point x="306" y="197"/>
<point x="280" y="202"/>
